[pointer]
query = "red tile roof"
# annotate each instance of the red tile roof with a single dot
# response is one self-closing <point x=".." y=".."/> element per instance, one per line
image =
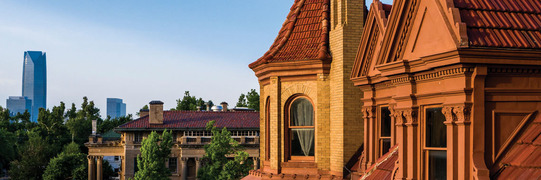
<point x="384" y="166"/>
<point x="523" y="160"/>
<point x="502" y="23"/>
<point x="304" y="34"/>
<point x="197" y="120"/>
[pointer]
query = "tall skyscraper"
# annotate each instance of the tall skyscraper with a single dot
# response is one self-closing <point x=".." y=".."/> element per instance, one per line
<point x="35" y="81"/>
<point x="18" y="104"/>
<point x="115" y="107"/>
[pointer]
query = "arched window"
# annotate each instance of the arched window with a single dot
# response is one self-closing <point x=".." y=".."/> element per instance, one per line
<point x="301" y="129"/>
<point x="267" y="129"/>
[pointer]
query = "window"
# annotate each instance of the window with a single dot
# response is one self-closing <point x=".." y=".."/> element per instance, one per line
<point x="174" y="137"/>
<point x="137" y="137"/>
<point x="267" y="129"/>
<point x="173" y="164"/>
<point x="301" y="129"/>
<point x="135" y="168"/>
<point x="435" y="144"/>
<point x="384" y="130"/>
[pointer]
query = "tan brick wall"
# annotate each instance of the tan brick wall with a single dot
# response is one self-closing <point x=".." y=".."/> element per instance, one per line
<point x="345" y="117"/>
<point x="323" y="124"/>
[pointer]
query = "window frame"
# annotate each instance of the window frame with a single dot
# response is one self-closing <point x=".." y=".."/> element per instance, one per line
<point x="267" y="129"/>
<point x="169" y="164"/>
<point x="289" y="132"/>
<point x="426" y="150"/>
<point x="380" y="137"/>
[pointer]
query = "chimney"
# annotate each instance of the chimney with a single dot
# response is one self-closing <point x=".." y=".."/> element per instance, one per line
<point x="224" y="106"/>
<point x="155" y="112"/>
<point x="208" y="107"/>
<point x="94" y="126"/>
<point x="143" y="112"/>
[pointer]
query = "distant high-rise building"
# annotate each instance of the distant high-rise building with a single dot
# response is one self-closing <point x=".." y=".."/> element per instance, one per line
<point x="115" y="107"/>
<point x="35" y="81"/>
<point x="18" y="104"/>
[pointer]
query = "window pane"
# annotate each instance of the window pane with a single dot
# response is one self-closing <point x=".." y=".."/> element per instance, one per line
<point x="385" y="122"/>
<point x="302" y="142"/>
<point x="385" y="146"/>
<point x="301" y="113"/>
<point x="173" y="164"/>
<point x="437" y="165"/>
<point x="436" y="132"/>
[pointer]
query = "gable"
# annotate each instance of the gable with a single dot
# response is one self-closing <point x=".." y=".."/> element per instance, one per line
<point x="367" y="52"/>
<point x="429" y="33"/>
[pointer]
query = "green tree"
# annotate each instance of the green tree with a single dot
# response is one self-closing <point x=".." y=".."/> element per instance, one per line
<point x="242" y="101"/>
<point x="67" y="164"/>
<point x="80" y="123"/>
<point x="154" y="151"/>
<point x="253" y="99"/>
<point x="215" y="163"/>
<point x="145" y="108"/>
<point x="35" y="155"/>
<point x="8" y="151"/>
<point x="110" y="124"/>
<point x="52" y="128"/>
<point x="189" y="103"/>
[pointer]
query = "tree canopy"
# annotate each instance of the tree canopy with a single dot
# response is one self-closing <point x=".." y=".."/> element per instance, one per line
<point x="190" y="103"/>
<point x="154" y="151"/>
<point x="215" y="162"/>
<point x="69" y="164"/>
<point x="250" y="100"/>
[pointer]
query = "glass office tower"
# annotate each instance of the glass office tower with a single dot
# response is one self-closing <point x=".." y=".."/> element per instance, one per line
<point x="35" y="81"/>
<point x="18" y="104"/>
<point x="115" y="108"/>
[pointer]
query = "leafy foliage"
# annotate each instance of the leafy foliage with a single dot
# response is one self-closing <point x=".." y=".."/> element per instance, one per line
<point x="154" y="151"/>
<point x="253" y="100"/>
<point x="110" y="124"/>
<point x="250" y="100"/>
<point x="215" y="162"/>
<point x="35" y="155"/>
<point x="190" y="103"/>
<point x="242" y="101"/>
<point x="67" y="165"/>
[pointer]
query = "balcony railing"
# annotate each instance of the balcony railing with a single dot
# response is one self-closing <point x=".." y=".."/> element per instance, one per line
<point x="202" y="140"/>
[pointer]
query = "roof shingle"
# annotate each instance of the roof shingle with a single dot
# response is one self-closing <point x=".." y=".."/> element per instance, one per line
<point x="303" y="36"/>
<point x="523" y="160"/>
<point x="502" y="23"/>
<point x="197" y="119"/>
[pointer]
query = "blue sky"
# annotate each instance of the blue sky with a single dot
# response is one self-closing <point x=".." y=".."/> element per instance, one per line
<point x="138" y="50"/>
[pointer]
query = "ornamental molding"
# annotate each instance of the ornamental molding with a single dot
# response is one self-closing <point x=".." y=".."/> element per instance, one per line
<point x="505" y="70"/>
<point x="410" y="116"/>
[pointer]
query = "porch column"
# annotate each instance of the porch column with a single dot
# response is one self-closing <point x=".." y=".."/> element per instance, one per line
<point x="462" y="124"/>
<point x="413" y="141"/>
<point x="122" y="168"/>
<point x="91" y="165"/>
<point x="401" y="140"/>
<point x="99" y="168"/>
<point x="184" y="174"/>
<point x="197" y="165"/>
<point x="256" y="163"/>
<point x="451" y="141"/>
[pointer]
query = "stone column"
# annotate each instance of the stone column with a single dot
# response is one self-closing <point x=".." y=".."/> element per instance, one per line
<point x="184" y="162"/>
<point x="370" y="135"/>
<point x="99" y="168"/>
<point x="451" y="139"/>
<point x="401" y="140"/>
<point x="463" y="141"/>
<point x="256" y="163"/>
<point x="413" y="141"/>
<point x="197" y="165"/>
<point x="122" y="168"/>
<point x="91" y="170"/>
